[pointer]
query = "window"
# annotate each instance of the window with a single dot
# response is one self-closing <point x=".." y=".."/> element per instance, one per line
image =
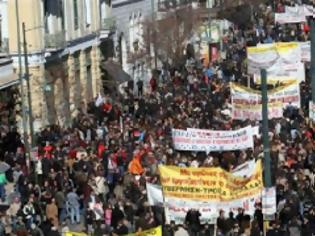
<point x="75" y="14"/>
<point x="88" y="15"/>
<point x="62" y="15"/>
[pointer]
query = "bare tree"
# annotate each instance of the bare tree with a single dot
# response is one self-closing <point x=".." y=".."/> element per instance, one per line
<point x="169" y="35"/>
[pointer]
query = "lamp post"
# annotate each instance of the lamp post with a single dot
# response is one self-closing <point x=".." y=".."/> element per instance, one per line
<point x="24" y="117"/>
<point x="27" y="78"/>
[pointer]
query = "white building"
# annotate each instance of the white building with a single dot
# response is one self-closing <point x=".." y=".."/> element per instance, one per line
<point x="129" y="15"/>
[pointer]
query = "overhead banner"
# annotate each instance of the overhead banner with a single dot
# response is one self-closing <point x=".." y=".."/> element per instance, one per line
<point x="150" y="232"/>
<point x="212" y="141"/>
<point x="208" y="184"/>
<point x="246" y="102"/>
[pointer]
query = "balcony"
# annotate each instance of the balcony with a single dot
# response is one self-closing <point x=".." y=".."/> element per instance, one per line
<point x="55" y="41"/>
<point x="109" y="24"/>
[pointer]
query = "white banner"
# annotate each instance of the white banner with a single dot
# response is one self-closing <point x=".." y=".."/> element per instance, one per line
<point x="246" y="102"/>
<point x="296" y="14"/>
<point x="269" y="203"/>
<point x="308" y="10"/>
<point x="154" y="194"/>
<point x="212" y="141"/>
<point x="176" y="209"/>
<point x="305" y="51"/>
<point x="291" y="15"/>
<point x="245" y="170"/>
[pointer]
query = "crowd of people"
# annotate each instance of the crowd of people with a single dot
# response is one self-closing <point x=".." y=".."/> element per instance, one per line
<point x="94" y="174"/>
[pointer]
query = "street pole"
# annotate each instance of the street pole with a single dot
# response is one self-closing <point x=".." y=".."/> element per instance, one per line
<point x="25" y="138"/>
<point x="267" y="164"/>
<point x="313" y="59"/>
<point x="154" y="33"/>
<point x="27" y="78"/>
<point x="267" y="161"/>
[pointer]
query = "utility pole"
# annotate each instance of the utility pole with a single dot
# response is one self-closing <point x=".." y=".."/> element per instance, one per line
<point x="267" y="161"/>
<point x="313" y="59"/>
<point x="154" y="33"/>
<point x="27" y="78"/>
<point x="25" y="138"/>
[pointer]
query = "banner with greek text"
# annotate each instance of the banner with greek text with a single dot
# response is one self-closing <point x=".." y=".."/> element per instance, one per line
<point x="212" y="141"/>
<point x="246" y="102"/>
<point x="176" y="209"/>
<point x="283" y="62"/>
<point x="287" y="74"/>
<point x="296" y="14"/>
<point x="210" y="190"/>
<point x="208" y="184"/>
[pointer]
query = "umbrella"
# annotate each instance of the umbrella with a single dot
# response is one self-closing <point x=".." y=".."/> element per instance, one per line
<point x="4" y="167"/>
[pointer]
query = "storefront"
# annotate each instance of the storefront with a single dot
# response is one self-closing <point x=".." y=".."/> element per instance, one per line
<point x="9" y="94"/>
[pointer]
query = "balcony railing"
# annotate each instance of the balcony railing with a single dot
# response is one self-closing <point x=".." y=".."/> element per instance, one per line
<point x="109" y="24"/>
<point x="55" y="41"/>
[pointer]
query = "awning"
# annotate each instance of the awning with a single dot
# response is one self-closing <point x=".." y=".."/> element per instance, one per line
<point x="115" y="72"/>
<point x="7" y="76"/>
<point x="7" y="81"/>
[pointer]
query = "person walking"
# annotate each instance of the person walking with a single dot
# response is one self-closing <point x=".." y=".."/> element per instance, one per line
<point x="73" y="206"/>
<point x="52" y="212"/>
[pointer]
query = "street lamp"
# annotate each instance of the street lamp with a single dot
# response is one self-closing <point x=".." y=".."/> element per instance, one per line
<point x="25" y="138"/>
<point x="27" y="78"/>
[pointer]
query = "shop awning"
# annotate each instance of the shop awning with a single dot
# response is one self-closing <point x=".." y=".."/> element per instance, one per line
<point x="7" y="81"/>
<point x="7" y="76"/>
<point x="115" y="72"/>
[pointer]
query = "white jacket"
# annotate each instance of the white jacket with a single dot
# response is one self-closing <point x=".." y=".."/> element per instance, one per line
<point x="100" y="187"/>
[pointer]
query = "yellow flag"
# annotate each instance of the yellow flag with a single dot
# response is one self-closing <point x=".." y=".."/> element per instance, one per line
<point x="150" y="232"/>
<point x="75" y="234"/>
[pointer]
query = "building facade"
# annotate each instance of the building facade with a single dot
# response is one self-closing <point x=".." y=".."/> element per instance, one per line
<point x="129" y="45"/>
<point x="65" y="45"/>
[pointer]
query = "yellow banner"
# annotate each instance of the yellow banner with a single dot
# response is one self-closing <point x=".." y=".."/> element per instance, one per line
<point x="206" y="184"/>
<point x="75" y="234"/>
<point x="150" y="232"/>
